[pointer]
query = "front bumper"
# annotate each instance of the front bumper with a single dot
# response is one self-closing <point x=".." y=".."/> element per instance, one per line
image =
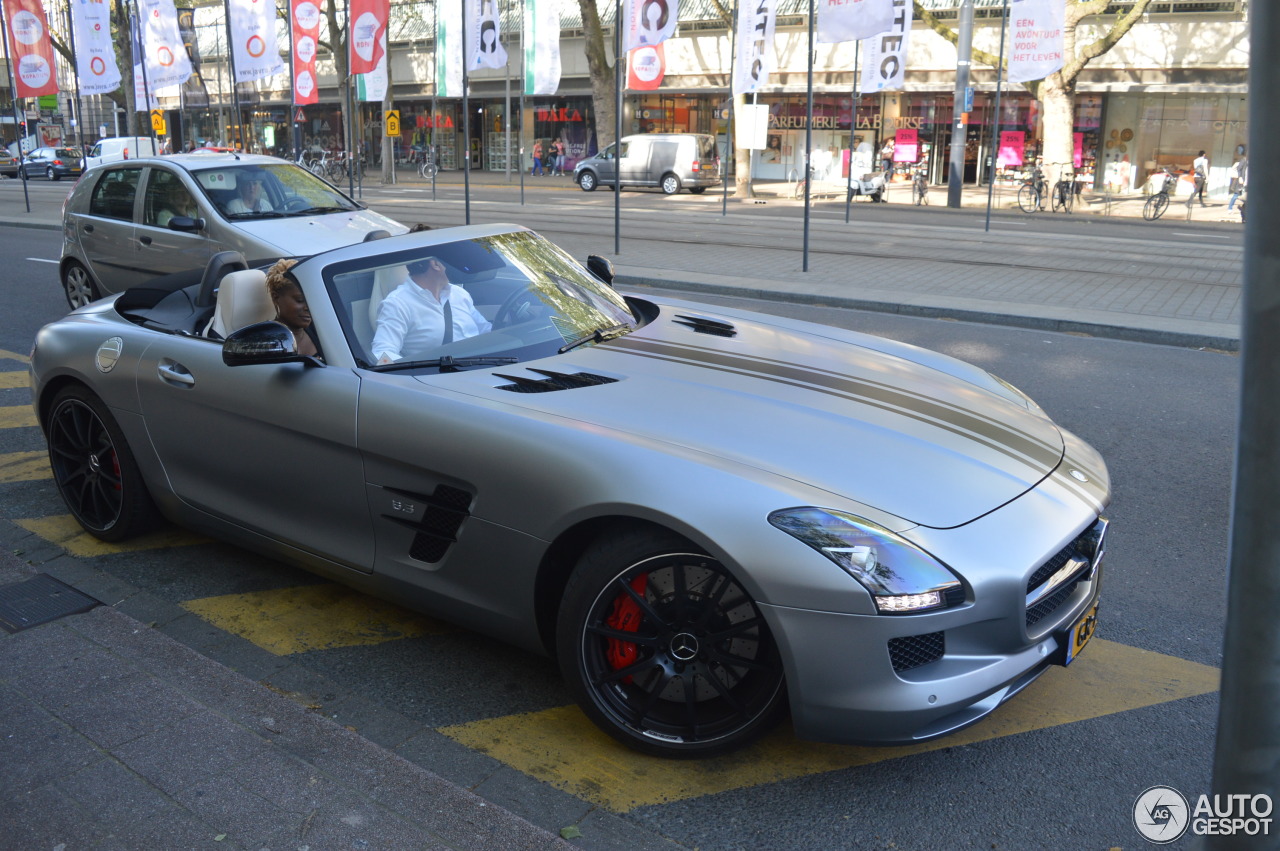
<point x="844" y="687"/>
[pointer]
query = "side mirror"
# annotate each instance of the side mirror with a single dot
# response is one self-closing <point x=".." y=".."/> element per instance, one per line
<point x="186" y="223"/>
<point x="600" y="267"/>
<point x="262" y="343"/>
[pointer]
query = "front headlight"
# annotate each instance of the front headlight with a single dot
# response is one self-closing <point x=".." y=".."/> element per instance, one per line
<point x="901" y="577"/>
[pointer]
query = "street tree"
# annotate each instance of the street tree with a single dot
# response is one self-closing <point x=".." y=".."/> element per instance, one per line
<point x="1057" y="92"/>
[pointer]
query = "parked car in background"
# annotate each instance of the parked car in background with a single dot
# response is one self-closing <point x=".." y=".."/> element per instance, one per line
<point x="707" y="515"/>
<point x="53" y="163"/>
<point x="129" y="221"/>
<point x="8" y="163"/>
<point x="669" y="161"/>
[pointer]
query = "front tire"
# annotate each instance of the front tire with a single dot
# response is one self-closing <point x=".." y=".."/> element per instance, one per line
<point x="665" y="651"/>
<point x="670" y="184"/>
<point x="78" y="285"/>
<point x="94" y="469"/>
<point x="1028" y="198"/>
<point x="587" y="180"/>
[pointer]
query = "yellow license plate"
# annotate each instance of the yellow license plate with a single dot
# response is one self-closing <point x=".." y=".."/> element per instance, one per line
<point x="1081" y="631"/>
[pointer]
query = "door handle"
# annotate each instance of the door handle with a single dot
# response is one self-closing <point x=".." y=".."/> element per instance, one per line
<point x="145" y="240"/>
<point x="174" y="372"/>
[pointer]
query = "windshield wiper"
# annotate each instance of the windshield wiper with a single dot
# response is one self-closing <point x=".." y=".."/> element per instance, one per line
<point x="444" y="364"/>
<point x="597" y="336"/>
<point x="311" y="211"/>
<point x="257" y="214"/>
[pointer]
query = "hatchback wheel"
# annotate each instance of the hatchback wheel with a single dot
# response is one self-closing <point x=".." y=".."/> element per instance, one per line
<point x="670" y="184"/>
<point x="50" y="173"/>
<point x="665" y="651"/>
<point x="587" y="180"/>
<point x="93" y="468"/>
<point x="78" y="285"/>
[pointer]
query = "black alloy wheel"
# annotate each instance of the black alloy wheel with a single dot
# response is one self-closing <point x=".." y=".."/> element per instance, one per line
<point x="93" y="468"/>
<point x="665" y="651"/>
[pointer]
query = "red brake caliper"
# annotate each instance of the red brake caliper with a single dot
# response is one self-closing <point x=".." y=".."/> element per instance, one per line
<point x="626" y="617"/>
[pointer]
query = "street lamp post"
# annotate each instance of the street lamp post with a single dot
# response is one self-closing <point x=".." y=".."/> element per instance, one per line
<point x="960" y="119"/>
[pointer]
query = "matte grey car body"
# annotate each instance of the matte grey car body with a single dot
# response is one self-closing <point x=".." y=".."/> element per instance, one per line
<point x="113" y="237"/>
<point x="706" y="514"/>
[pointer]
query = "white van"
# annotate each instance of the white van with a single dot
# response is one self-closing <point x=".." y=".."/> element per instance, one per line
<point x="670" y="161"/>
<point x="120" y="148"/>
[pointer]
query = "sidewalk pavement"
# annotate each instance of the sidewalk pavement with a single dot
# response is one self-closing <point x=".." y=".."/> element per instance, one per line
<point x="114" y="736"/>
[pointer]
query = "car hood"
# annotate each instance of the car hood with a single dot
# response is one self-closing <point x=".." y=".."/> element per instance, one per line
<point x="302" y="235"/>
<point x="916" y="440"/>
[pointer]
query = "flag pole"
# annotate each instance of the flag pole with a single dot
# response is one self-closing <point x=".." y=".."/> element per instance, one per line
<point x="728" y="128"/>
<point x="13" y="87"/>
<point x="995" y="121"/>
<point x="294" y="135"/>
<point x="853" y="130"/>
<point x="466" y="118"/>
<point x="235" y="87"/>
<point x="617" y="127"/>
<point x="808" y="141"/>
<point x="79" y="107"/>
<point x="146" y="87"/>
<point x="524" y="85"/>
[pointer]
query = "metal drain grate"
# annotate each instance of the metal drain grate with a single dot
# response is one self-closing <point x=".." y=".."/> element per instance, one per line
<point x="39" y="600"/>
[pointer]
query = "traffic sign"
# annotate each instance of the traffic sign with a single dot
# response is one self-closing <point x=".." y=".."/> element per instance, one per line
<point x="157" y="121"/>
<point x="298" y="116"/>
<point x="392" y="124"/>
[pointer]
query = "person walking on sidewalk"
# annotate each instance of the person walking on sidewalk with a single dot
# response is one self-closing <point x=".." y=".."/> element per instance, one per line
<point x="537" y="157"/>
<point x="557" y="149"/>
<point x="1239" y="174"/>
<point x="1200" y="174"/>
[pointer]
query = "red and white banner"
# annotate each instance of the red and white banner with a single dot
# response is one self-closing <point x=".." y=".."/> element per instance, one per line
<point x="854" y="20"/>
<point x="95" y="54"/>
<point x="368" y="23"/>
<point x="1036" y="35"/>
<point x="304" y="23"/>
<point x="163" y="51"/>
<point x="254" y="49"/>
<point x="648" y="22"/>
<point x="646" y="67"/>
<point x="30" y="48"/>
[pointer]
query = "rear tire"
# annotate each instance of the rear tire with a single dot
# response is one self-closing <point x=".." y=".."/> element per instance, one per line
<point x="1028" y="200"/>
<point x="50" y="173"/>
<point x="670" y="184"/>
<point x="664" y="650"/>
<point x="94" y="469"/>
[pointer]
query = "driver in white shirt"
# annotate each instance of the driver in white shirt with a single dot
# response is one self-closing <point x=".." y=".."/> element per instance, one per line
<point x="424" y="313"/>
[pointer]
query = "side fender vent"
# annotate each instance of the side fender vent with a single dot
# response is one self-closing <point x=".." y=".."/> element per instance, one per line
<point x="554" y="381"/>
<point x="437" y="528"/>
<point x="703" y="325"/>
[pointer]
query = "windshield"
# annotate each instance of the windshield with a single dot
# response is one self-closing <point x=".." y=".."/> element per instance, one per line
<point x="269" y="190"/>
<point x="512" y="295"/>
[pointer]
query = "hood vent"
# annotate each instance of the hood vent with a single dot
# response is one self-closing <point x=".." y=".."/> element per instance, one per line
<point x="554" y="381"/>
<point x="703" y="325"/>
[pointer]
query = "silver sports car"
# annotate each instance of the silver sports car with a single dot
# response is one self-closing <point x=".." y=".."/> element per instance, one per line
<point x="708" y="516"/>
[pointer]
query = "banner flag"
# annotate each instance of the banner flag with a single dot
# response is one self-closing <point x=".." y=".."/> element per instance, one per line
<point x="646" y="67"/>
<point x="449" y="49"/>
<point x="162" y="49"/>
<point x="1037" y="49"/>
<point x="304" y="19"/>
<point x="369" y="24"/>
<point x="143" y="100"/>
<point x="29" y="45"/>
<point x="754" y="61"/>
<point x="254" y="48"/>
<point x="541" y="47"/>
<point x="854" y="20"/>
<point x="884" y="64"/>
<point x="95" y="55"/>
<point x="373" y="86"/>
<point x="484" y="30"/>
<point x="648" y="22"/>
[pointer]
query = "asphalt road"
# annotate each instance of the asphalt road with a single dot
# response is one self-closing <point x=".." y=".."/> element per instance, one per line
<point x="1058" y="768"/>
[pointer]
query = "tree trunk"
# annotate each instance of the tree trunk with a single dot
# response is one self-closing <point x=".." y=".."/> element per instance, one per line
<point x="1059" y="100"/>
<point x="742" y="156"/>
<point x="388" y="142"/>
<point x="603" y="95"/>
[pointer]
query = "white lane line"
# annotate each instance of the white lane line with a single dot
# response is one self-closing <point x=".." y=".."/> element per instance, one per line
<point x="41" y="260"/>
<point x="1201" y="235"/>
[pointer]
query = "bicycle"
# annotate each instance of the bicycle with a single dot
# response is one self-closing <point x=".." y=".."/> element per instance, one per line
<point x="919" y="187"/>
<point x="1031" y="195"/>
<point x="814" y="175"/>
<point x="1159" y="202"/>
<point x="428" y="168"/>
<point x="1064" y="191"/>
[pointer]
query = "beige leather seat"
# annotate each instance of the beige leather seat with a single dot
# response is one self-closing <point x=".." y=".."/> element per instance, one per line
<point x="242" y="300"/>
<point x="364" y="313"/>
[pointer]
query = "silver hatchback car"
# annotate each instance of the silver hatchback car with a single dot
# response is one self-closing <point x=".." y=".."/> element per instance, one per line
<point x="128" y="222"/>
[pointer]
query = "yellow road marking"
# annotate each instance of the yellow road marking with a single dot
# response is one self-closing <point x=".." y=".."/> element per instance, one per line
<point x="561" y="747"/>
<point x="64" y="531"/>
<point x="10" y="380"/>
<point x="311" y="617"/>
<point x="8" y="355"/>
<point x="24" y="466"/>
<point x="18" y="416"/>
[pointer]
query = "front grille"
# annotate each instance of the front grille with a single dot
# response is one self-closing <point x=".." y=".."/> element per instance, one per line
<point x="913" y="651"/>
<point x="1049" y="604"/>
<point x="1083" y="548"/>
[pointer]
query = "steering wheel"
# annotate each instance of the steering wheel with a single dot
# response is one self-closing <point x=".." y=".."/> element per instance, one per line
<point x="521" y="305"/>
<point x="297" y="202"/>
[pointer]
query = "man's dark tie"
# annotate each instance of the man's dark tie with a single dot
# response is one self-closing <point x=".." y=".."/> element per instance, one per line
<point x="448" y="323"/>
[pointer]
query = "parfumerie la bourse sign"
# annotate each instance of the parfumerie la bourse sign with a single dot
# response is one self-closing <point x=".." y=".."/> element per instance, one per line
<point x="831" y="122"/>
